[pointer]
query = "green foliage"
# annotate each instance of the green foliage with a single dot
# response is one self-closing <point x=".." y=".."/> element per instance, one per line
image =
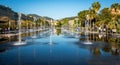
<point x="65" y="21"/>
<point x="58" y="31"/>
<point x="96" y="6"/>
<point x="82" y="14"/>
<point x="59" y="24"/>
<point x="115" y="6"/>
<point x="104" y="16"/>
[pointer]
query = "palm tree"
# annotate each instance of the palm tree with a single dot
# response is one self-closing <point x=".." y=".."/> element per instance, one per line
<point x="92" y="15"/>
<point x="96" y="6"/>
<point x="93" y="12"/>
<point x="115" y="8"/>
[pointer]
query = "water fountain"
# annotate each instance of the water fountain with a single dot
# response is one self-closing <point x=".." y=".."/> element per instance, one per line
<point x="77" y="29"/>
<point x="51" y="34"/>
<point x="20" y="42"/>
<point x="86" y="31"/>
<point x="86" y="25"/>
<point x="34" y="30"/>
<point x="50" y="42"/>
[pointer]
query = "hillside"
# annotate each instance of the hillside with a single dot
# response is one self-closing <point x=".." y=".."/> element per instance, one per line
<point x="7" y="13"/>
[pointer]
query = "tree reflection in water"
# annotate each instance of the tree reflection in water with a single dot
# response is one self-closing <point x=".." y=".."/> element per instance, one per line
<point x="58" y="31"/>
<point x="103" y="43"/>
<point x="107" y="44"/>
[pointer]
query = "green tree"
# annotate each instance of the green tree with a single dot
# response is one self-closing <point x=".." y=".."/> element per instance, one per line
<point x="115" y="6"/>
<point x="93" y="12"/>
<point x="104" y="17"/>
<point x="59" y="24"/>
<point x="82" y="14"/>
<point x="96" y="6"/>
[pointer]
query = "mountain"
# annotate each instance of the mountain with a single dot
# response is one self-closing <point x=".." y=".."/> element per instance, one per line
<point x="7" y="13"/>
<point x="37" y="16"/>
<point x="34" y="15"/>
<point x="48" y="18"/>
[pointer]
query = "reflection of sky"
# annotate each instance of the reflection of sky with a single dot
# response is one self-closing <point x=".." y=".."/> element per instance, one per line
<point x="65" y="52"/>
<point x="53" y="8"/>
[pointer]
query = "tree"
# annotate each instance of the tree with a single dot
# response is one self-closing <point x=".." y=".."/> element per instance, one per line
<point x="64" y="22"/>
<point x="59" y="24"/>
<point x="96" y="6"/>
<point x="93" y="13"/>
<point x="82" y="14"/>
<point x="115" y="6"/>
<point x="104" y="17"/>
<point x="82" y="17"/>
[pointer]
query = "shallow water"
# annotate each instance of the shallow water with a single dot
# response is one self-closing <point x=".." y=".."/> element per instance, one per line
<point x="61" y="48"/>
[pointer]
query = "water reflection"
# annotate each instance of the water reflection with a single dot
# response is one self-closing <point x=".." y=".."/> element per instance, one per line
<point x="103" y="44"/>
<point x="63" y="51"/>
<point x="58" y="31"/>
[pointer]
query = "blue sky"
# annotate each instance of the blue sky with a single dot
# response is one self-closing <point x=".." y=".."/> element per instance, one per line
<point x="56" y="9"/>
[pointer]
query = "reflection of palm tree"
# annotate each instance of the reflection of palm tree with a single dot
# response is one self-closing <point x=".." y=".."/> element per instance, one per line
<point x="107" y="48"/>
<point x="115" y="50"/>
<point x="19" y="56"/>
<point x="58" y="31"/>
<point x="96" y="51"/>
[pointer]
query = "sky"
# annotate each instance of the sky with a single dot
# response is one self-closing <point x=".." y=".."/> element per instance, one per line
<point x="56" y="9"/>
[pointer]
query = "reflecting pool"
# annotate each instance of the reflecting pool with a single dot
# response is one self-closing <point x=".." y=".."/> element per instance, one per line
<point x="58" y="47"/>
